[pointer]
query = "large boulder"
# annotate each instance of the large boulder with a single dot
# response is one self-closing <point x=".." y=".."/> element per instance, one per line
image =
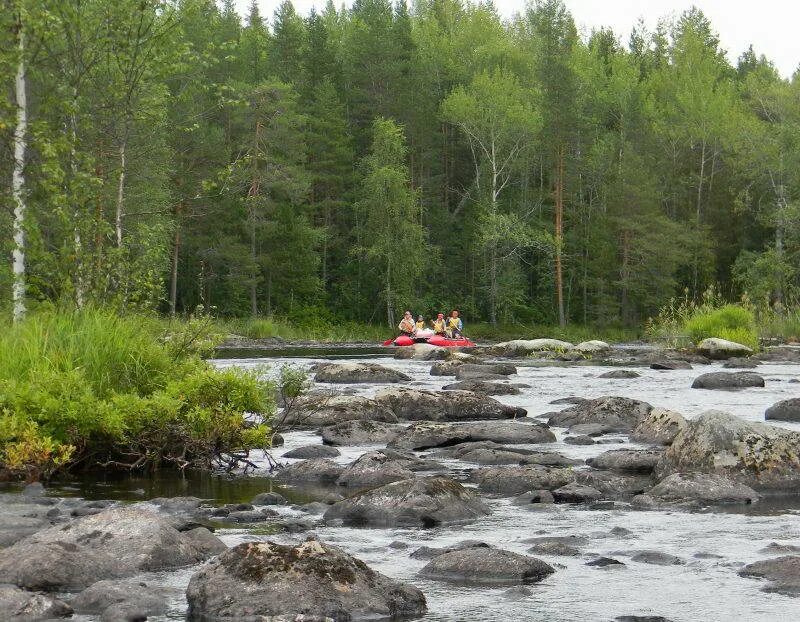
<point x="486" y="566"/>
<point x="783" y="574"/>
<point x="100" y="596"/>
<point x="421" y="405"/>
<point x="313" y="471"/>
<point x="309" y="581"/>
<point x="323" y="410"/>
<point x="421" y="352"/>
<point x="785" y="410"/>
<point x="312" y="451"/>
<point x="593" y="346"/>
<point x="761" y="456"/>
<point x="421" y="502"/>
<point x="615" y="414"/>
<point x="18" y="605"/>
<point x="115" y="543"/>
<point x="627" y="460"/>
<point x="349" y="433"/>
<point x="376" y="468"/>
<point x="659" y="427"/>
<point x="703" y="488"/>
<point x="357" y="373"/>
<point x="728" y="380"/>
<point x="513" y="481"/>
<point x="426" y="435"/>
<point x="524" y="347"/>
<point x="720" y="349"/>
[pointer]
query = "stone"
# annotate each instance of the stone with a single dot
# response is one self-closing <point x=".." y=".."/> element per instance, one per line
<point x="487" y="566"/>
<point x="656" y="558"/>
<point x="740" y="363"/>
<point x="568" y="546"/>
<point x="361" y="432"/>
<point x="613" y="484"/>
<point x="313" y="451"/>
<point x="376" y="468"/>
<point x="494" y="369"/>
<point x="720" y="349"/>
<point x="620" y="374"/>
<point x="604" y="562"/>
<point x="627" y="460"/>
<point x="116" y="543"/>
<point x="421" y="405"/>
<point x="421" y="502"/>
<point x="777" y="548"/>
<point x="534" y="497"/>
<point x="593" y="346"/>
<point x="429" y="552"/>
<point x="488" y="452"/>
<point x="702" y="488"/>
<point x="785" y="410"/>
<point x="269" y="498"/>
<point x="670" y="364"/>
<point x="580" y="439"/>
<point x="98" y="597"/>
<point x="421" y="352"/>
<point x="782" y="573"/>
<point x="483" y="388"/>
<point x="576" y="493"/>
<point x="17" y="605"/>
<point x="310" y="581"/>
<point x="761" y="456"/>
<point x="424" y="435"/>
<point x="618" y="414"/>
<point x="316" y="470"/>
<point x="660" y="427"/>
<point x="523" y="347"/>
<point x="357" y="373"/>
<point x="728" y="380"/>
<point x="569" y="400"/>
<point x="316" y="411"/>
<point x="446" y="368"/>
<point x="513" y="481"/>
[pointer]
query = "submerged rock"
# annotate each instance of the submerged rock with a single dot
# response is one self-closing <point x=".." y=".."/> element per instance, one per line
<point x="357" y="373"/>
<point x="656" y="558"/>
<point x="702" y="488"/>
<point x="513" y="481"/>
<point x="115" y="543"/>
<point x="17" y="605"/>
<point x="728" y="380"/>
<point x="720" y="349"/>
<point x="420" y="405"/>
<point x="660" y="427"/>
<point x="785" y="410"/>
<point x="604" y="562"/>
<point x="487" y="566"/>
<point x="429" y="552"/>
<point x="620" y="374"/>
<point x="426" y="435"/>
<point x="557" y="545"/>
<point x="309" y="581"/>
<point x="349" y="433"/>
<point x="740" y="363"/>
<point x="618" y="414"/>
<point x="783" y="574"/>
<point x="627" y="460"/>
<point x="535" y="497"/>
<point x="761" y="456"/>
<point x="670" y="364"/>
<point x="422" y="502"/>
<point x="312" y="451"/>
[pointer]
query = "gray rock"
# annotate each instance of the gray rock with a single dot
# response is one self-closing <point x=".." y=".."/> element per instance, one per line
<point x="376" y="468"/>
<point x="534" y="497"/>
<point x="740" y="363"/>
<point x="656" y="558"/>
<point x="116" y="543"/>
<point x="420" y="405"/>
<point x="487" y="566"/>
<point x="498" y="369"/>
<point x="593" y="346"/>
<point x="777" y="548"/>
<point x="702" y="488"/>
<point x="487" y="452"/>
<point x="422" y="502"/>
<point x="783" y="574"/>
<point x="659" y="427"/>
<point x="446" y="368"/>
<point x="720" y="349"/>
<point x="613" y="484"/>
<point x="568" y="546"/>
<point x="576" y="493"/>
<point x="18" y="605"/>
<point x="425" y="435"/>
<point x="517" y="593"/>
<point x="313" y="451"/>
<point x="761" y="456"/>
<point x="357" y="373"/>
<point x="361" y="432"/>
<point x="429" y="552"/>
<point x="618" y="414"/>
<point x="316" y="470"/>
<point x="513" y="481"/>
<point x="569" y="400"/>
<point x="327" y="410"/>
<point x="309" y="581"/>
<point x="269" y="498"/>
<point x="627" y="460"/>
<point x="785" y="410"/>
<point x="421" y="352"/>
<point x="641" y="619"/>
<point x="620" y="374"/>
<point x="34" y="489"/>
<point x="604" y="562"/>
<point x="99" y="596"/>
<point x="476" y="374"/>
<point x="524" y="347"/>
<point x="124" y="612"/>
<point x="670" y="364"/>
<point x="483" y="388"/>
<point x="728" y="380"/>
<point x="581" y="439"/>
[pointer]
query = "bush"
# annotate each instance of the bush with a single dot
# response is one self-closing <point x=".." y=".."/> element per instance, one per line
<point x="731" y="322"/>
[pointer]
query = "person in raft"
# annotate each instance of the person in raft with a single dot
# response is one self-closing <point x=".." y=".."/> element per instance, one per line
<point x="439" y="325"/>
<point x="420" y="323"/>
<point x="407" y="326"/>
<point x="454" y="326"/>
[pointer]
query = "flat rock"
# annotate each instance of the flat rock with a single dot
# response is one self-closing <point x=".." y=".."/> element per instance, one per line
<point x="421" y="502"/>
<point x="515" y="480"/>
<point x="720" y="349"/>
<point x="315" y="470"/>
<point x="421" y="405"/>
<point x="429" y="552"/>
<point x="604" y="562"/>
<point x="783" y="574"/>
<point x="325" y="410"/>
<point x="313" y="451"/>
<point x="702" y="488"/>
<point x="613" y="484"/>
<point x="656" y="558"/>
<point x="620" y="374"/>
<point x="593" y="346"/>
<point x="357" y="373"/>
<point x="523" y="347"/>
<point x="488" y="452"/>
<point x="568" y="546"/>
<point x="496" y="369"/>
<point x="660" y="427"/>
<point x="777" y="548"/>
<point x="98" y="597"/>
<point x="618" y="414"/>
<point x="360" y="432"/>
<point x="670" y="364"/>
<point x="17" y="605"/>
<point x="785" y="410"/>
<point x="580" y="439"/>
<point x="761" y="456"/>
<point x="308" y="581"/>
<point x="446" y="368"/>
<point x="486" y="566"/>
<point x="115" y="543"/>
<point x="576" y="493"/>
<point x="376" y="468"/>
<point x="627" y="460"/>
<point x="534" y="497"/>
<point x="728" y="380"/>
<point x="483" y="388"/>
<point x="424" y="435"/>
<point x="269" y="498"/>
<point x="741" y="363"/>
<point x="421" y="352"/>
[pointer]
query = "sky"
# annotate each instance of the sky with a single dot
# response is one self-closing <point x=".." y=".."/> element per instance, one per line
<point x="770" y="25"/>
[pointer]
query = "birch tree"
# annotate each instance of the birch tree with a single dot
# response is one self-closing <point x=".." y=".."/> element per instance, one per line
<point x="18" y="175"/>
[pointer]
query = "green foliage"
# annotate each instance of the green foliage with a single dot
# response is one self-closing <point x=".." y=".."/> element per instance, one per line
<point x="731" y="322"/>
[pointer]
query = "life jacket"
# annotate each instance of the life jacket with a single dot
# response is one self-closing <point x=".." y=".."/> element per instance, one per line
<point x="438" y="326"/>
<point x="406" y="326"/>
<point x="420" y="325"/>
<point x="454" y="323"/>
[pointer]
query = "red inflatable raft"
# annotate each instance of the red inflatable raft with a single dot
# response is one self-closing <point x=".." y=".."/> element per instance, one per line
<point x="436" y="340"/>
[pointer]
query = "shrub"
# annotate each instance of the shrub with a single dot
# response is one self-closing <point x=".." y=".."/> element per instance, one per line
<point x="731" y="322"/>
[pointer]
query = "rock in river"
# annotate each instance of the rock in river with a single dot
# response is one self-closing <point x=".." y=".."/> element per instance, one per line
<point x="627" y="460"/>
<point x="424" y="435"/>
<point x="422" y="502"/>
<point x="323" y="410"/>
<point x="720" y="349"/>
<point x="356" y="373"/>
<point x="620" y="374"/>
<point x="785" y="410"/>
<point x="360" y="432"/>
<point x="422" y="352"/>
<point x="728" y="380"/>
<point x="483" y="388"/>
<point x="616" y="414"/>
<point x="316" y="471"/>
<point x="420" y="405"/>
<point x="18" y="605"/>
<point x="312" y="451"/>
<point x="513" y="481"/>
<point x="783" y="574"/>
<point x="310" y="581"/>
<point x="376" y="468"/>
<point x="100" y="596"/>
<point x="115" y="543"/>
<point x="523" y="347"/>
<point x="486" y="566"/>
<point x="701" y="488"/>
<point x="659" y="427"/>
<point x="761" y="456"/>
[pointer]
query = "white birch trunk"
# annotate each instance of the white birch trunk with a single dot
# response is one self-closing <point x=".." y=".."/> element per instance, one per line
<point x="120" y="194"/>
<point x="18" y="184"/>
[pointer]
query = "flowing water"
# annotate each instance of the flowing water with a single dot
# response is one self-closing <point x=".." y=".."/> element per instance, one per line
<point x="713" y="544"/>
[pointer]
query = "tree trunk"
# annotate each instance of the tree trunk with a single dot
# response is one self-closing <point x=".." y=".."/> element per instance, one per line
<point x="251" y="195"/>
<point x="18" y="181"/>
<point x="173" y="277"/>
<point x="80" y="283"/>
<point x="389" y="305"/>
<point x="253" y="288"/>
<point x="698" y="216"/>
<point x="778" y="294"/>
<point x="120" y="193"/>
<point x="559" y="236"/>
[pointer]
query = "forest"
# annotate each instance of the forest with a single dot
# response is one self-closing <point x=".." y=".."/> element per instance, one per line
<point x="170" y="155"/>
